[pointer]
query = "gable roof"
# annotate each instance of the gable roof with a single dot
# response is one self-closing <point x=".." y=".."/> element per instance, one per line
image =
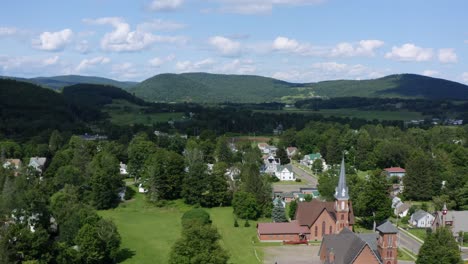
<point x="395" y="170"/>
<point x="387" y="228"/>
<point x="314" y="156"/>
<point x="40" y="161"/>
<point x="14" y="162"/>
<point x="348" y="245"/>
<point x="281" y="228"/>
<point x="308" y="212"/>
<point x="419" y="214"/>
<point x="282" y="167"/>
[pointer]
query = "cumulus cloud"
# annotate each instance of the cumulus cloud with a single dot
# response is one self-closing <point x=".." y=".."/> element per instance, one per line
<point x="165" y="5"/>
<point x="123" y="39"/>
<point x="250" y="7"/>
<point x="53" y="41"/>
<point x="158" y="62"/>
<point x="50" y="61"/>
<point x="160" y="25"/>
<point x="237" y="66"/>
<point x="363" y="48"/>
<point x="189" y="66"/>
<point x="225" y="46"/>
<point x="87" y="63"/>
<point x="410" y="52"/>
<point x="82" y="47"/>
<point x="447" y="56"/>
<point x="8" y="31"/>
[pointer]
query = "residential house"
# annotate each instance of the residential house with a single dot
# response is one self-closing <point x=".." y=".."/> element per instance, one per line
<point x="421" y="219"/>
<point x="123" y="169"/>
<point x="315" y="219"/>
<point x="347" y="247"/>
<point x="402" y="209"/>
<point x="37" y="163"/>
<point x="271" y="164"/>
<point x="267" y="149"/>
<point x="96" y="137"/>
<point x="12" y="164"/>
<point x="395" y="171"/>
<point x="291" y="151"/>
<point x="309" y="159"/>
<point x="285" y="173"/>
<point x="233" y="173"/>
<point x="142" y="189"/>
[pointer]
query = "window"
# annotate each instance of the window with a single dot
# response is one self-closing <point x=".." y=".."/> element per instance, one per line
<point x="342" y="205"/>
<point x="390" y="241"/>
<point x="331" y="230"/>
<point x="323" y="228"/>
<point x="342" y="217"/>
<point x="316" y="231"/>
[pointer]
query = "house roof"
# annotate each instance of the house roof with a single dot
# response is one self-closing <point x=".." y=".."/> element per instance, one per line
<point x="395" y="170"/>
<point x="15" y="162"/>
<point x="315" y="156"/>
<point x="262" y="145"/>
<point x="419" y="214"/>
<point x="282" y="167"/>
<point x="387" y="228"/>
<point x="281" y="228"/>
<point x="459" y="218"/>
<point x="291" y="150"/>
<point x="347" y="245"/>
<point x="401" y="207"/>
<point x="308" y="212"/>
<point x="40" y="161"/>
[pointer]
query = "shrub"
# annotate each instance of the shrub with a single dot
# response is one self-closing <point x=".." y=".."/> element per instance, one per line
<point x="236" y="224"/>
<point x="247" y="224"/>
<point x="298" y="180"/>
<point x="195" y="216"/>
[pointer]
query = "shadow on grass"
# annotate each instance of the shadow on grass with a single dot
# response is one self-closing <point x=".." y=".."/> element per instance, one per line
<point x="125" y="254"/>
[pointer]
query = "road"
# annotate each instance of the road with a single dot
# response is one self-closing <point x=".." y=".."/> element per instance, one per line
<point x="302" y="174"/>
<point x="409" y="243"/>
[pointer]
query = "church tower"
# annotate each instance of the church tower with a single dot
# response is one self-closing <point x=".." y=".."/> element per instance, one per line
<point x="342" y="201"/>
<point x="387" y="244"/>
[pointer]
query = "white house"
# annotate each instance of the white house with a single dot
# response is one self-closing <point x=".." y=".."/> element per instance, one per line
<point x="37" y="163"/>
<point x="421" y="219"/>
<point x="142" y="189"/>
<point x="123" y="169"/>
<point x="271" y="164"/>
<point x="285" y="173"/>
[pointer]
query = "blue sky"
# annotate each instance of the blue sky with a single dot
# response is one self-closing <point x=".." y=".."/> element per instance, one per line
<point x="293" y="40"/>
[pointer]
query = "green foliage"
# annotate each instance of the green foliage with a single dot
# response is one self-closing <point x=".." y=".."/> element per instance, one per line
<point x="138" y="150"/>
<point x="58" y="82"/>
<point x="422" y="178"/>
<point x="292" y="209"/>
<point x="196" y="216"/>
<point x="247" y="224"/>
<point x="439" y="247"/>
<point x="245" y="206"/>
<point x="222" y="152"/>
<point x="278" y="214"/>
<point x="236" y="224"/>
<point x="308" y="198"/>
<point x="326" y="185"/>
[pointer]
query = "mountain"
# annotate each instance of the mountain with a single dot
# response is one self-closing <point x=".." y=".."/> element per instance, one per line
<point x="216" y="88"/>
<point x="213" y="88"/>
<point x="58" y="82"/>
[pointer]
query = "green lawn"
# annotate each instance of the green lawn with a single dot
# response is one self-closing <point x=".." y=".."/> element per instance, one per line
<point x="125" y="113"/>
<point x="406" y="255"/>
<point x="418" y="232"/>
<point x="148" y="232"/>
<point x="351" y="112"/>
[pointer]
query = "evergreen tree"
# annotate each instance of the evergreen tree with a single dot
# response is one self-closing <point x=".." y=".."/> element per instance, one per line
<point x="421" y="180"/>
<point x="223" y="152"/>
<point x="292" y="209"/>
<point x="282" y="155"/>
<point x="245" y="206"/>
<point x="439" y="247"/>
<point x="278" y="214"/>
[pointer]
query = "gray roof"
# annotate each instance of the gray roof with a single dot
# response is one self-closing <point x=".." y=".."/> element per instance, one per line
<point x="459" y="218"/>
<point x="371" y="240"/>
<point x="281" y="167"/>
<point x="416" y="216"/>
<point x="387" y="228"/>
<point x="341" y="191"/>
<point x="40" y="161"/>
<point x="347" y="245"/>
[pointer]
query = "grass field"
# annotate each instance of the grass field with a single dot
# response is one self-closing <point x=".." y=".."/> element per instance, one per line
<point x="418" y="232"/>
<point x="148" y="232"/>
<point x="351" y="112"/>
<point x="124" y="113"/>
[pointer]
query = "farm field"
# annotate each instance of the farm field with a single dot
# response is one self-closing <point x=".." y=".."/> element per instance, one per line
<point x="124" y="113"/>
<point x="148" y="232"/>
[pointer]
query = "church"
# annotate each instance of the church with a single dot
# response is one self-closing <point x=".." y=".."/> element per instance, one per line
<point x="314" y="219"/>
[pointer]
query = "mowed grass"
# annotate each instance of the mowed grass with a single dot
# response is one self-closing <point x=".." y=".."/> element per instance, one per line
<point x="148" y="232"/>
<point x="356" y="113"/>
<point x="125" y="113"/>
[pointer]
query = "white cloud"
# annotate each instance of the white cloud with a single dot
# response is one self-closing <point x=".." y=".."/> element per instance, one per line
<point x="447" y="56"/>
<point x="53" y="41"/>
<point x="82" y="47"/>
<point x="50" y="61"/>
<point x="225" y="46"/>
<point x="410" y="52"/>
<point x="250" y="7"/>
<point x="363" y="48"/>
<point x="158" y="62"/>
<point x="285" y="44"/>
<point x="237" y="66"/>
<point x="7" y="31"/>
<point x="189" y="66"/>
<point x="87" y="63"/>
<point x="465" y="77"/>
<point x="160" y="25"/>
<point x="123" y="39"/>
<point x="165" y="5"/>
<point x="430" y="73"/>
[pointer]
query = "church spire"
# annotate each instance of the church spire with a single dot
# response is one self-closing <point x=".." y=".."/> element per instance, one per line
<point x="341" y="191"/>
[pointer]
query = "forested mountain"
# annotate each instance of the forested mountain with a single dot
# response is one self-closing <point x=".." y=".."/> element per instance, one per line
<point x="215" y="88"/>
<point x="58" y="82"/>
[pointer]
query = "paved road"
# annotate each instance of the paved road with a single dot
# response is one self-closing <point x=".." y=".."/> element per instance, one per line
<point x="301" y="174"/>
<point x="409" y="243"/>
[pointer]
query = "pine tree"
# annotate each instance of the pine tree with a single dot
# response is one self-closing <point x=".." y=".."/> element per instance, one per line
<point x="292" y="209"/>
<point x="279" y="214"/>
<point x="439" y="247"/>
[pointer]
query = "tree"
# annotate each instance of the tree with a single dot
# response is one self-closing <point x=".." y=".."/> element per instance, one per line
<point x="216" y="193"/>
<point x="245" y="206"/>
<point x="439" y="247"/>
<point x="222" y="151"/>
<point x="282" y="155"/>
<point x="372" y="202"/>
<point x="317" y="166"/>
<point x="308" y="198"/>
<point x="278" y="214"/>
<point x="195" y="216"/>
<point x="421" y="180"/>
<point x="292" y="209"/>
<point x="326" y="185"/>
<point x="55" y="141"/>
<point x="138" y="150"/>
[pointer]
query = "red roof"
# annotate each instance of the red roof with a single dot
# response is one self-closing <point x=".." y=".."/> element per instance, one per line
<point x="281" y="228"/>
<point x="395" y="170"/>
<point x="308" y="212"/>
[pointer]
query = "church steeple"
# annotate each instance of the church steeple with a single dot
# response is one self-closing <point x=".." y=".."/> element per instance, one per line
<point x="341" y="191"/>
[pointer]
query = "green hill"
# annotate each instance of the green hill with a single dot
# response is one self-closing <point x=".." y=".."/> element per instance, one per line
<point x="215" y="88"/>
<point x="58" y="82"/>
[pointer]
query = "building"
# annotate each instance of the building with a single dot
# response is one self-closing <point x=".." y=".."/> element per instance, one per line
<point x="456" y="220"/>
<point x="38" y="163"/>
<point x="347" y="247"/>
<point x="285" y="173"/>
<point x="123" y="169"/>
<point x="317" y="217"/>
<point x="422" y="219"/>
<point x="395" y="171"/>
<point x="291" y="151"/>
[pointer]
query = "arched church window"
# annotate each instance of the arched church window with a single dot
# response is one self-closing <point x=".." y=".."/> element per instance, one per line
<point x="323" y="228"/>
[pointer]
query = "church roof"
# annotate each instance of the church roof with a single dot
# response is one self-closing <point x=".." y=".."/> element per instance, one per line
<point x="387" y="228"/>
<point x="341" y="191"/>
<point x="308" y="212"/>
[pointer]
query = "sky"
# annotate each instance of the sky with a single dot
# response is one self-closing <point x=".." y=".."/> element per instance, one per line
<point x="292" y="40"/>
